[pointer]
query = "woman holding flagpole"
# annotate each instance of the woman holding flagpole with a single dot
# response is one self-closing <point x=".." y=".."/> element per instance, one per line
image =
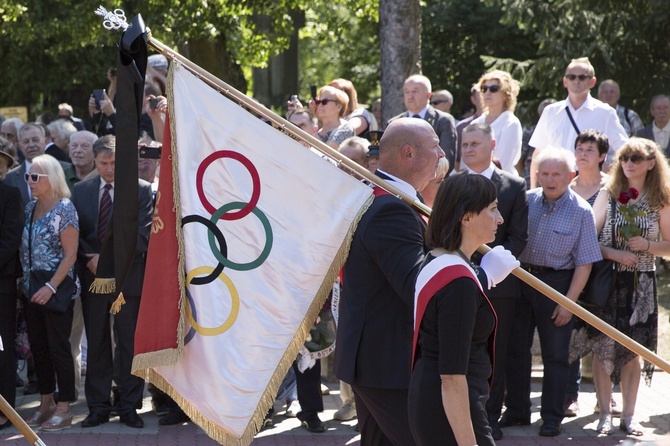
<point x="454" y="320"/>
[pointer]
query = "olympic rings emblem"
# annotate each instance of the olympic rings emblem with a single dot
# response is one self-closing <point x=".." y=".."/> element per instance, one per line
<point x="203" y="275"/>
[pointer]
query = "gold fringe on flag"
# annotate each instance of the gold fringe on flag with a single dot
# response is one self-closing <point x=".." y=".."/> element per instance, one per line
<point x="103" y="286"/>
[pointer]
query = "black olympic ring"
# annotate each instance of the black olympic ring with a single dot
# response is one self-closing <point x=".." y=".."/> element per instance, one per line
<point x="223" y="247"/>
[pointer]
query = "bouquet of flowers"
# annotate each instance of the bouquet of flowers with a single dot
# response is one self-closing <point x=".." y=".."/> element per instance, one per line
<point x="630" y="212"/>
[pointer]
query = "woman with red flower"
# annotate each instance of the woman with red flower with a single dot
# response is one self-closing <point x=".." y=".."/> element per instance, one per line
<point x="640" y="184"/>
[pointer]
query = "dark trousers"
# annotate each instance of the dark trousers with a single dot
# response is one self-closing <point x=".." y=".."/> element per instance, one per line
<point x="8" y="335"/>
<point x="533" y="309"/>
<point x="309" y="390"/>
<point x="100" y="364"/>
<point x="382" y="416"/>
<point x="504" y="307"/>
<point x="49" y="336"/>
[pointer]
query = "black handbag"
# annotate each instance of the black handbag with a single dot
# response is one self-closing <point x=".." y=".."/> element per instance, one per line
<point x="600" y="285"/>
<point x="62" y="299"/>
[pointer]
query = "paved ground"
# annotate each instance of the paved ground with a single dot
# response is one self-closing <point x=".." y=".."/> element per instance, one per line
<point x="653" y="413"/>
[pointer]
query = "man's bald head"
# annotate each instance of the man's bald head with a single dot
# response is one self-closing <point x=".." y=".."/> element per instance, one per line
<point x="410" y="150"/>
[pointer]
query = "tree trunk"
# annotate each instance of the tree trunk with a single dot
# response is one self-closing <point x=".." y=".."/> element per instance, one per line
<point x="400" y="39"/>
<point x="213" y="56"/>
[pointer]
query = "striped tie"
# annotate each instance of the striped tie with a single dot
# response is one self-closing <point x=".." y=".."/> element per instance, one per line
<point x="105" y="212"/>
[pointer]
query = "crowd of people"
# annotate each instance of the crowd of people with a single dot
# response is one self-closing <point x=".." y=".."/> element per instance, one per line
<point x="433" y="338"/>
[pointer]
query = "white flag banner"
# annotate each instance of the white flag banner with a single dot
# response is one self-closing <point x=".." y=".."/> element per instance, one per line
<point x="266" y="226"/>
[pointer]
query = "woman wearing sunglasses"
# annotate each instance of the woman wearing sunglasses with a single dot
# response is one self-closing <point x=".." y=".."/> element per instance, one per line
<point x="359" y="117"/>
<point x="330" y="107"/>
<point x="639" y="182"/>
<point x="498" y="92"/>
<point x="50" y="240"/>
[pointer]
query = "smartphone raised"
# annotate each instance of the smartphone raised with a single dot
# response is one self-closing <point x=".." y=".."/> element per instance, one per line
<point x="312" y="91"/>
<point x="153" y="103"/>
<point x="98" y="95"/>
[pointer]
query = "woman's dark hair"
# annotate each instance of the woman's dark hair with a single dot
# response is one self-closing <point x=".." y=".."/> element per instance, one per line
<point x="594" y="136"/>
<point x="458" y="195"/>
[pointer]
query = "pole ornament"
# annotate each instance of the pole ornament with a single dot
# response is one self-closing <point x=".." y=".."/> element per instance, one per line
<point x="113" y="20"/>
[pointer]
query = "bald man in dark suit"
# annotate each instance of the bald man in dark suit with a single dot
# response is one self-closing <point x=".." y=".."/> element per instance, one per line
<point x="375" y="330"/>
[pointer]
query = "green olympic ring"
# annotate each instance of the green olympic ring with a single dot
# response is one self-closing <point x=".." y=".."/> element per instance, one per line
<point x="268" y="238"/>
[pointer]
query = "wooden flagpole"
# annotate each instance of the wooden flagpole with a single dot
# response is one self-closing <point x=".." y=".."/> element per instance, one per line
<point x="283" y="124"/>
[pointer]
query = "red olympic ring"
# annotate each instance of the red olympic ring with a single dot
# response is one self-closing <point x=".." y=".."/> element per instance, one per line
<point x="255" y="178"/>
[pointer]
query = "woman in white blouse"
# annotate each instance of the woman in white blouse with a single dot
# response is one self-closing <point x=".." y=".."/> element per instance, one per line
<point x="498" y="95"/>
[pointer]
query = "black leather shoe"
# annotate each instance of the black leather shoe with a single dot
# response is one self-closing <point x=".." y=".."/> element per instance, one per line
<point x="131" y="419"/>
<point x="173" y="417"/>
<point x="550" y="429"/>
<point x="496" y="432"/>
<point x="94" y="419"/>
<point x="314" y="424"/>
<point x="508" y="420"/>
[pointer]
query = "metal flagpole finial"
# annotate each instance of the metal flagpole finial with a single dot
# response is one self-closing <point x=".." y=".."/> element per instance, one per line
<point x="113" y="20"/>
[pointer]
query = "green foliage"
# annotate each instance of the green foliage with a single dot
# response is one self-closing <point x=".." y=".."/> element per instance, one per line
<point x="341" y="40"/>
<point x="625" y="40"/>
<point x="457" y="38"/>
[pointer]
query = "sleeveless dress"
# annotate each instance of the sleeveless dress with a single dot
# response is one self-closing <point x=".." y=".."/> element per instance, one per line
<point x="633" y="305"/>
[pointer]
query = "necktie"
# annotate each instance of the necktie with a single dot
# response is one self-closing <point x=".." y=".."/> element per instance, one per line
<point x="105" y="212"/>
<point x="417" y="116"/>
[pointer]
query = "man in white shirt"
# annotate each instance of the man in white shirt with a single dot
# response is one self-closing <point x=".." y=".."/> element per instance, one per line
<point x="659" y="129"/>
<point x="562" y="121"/>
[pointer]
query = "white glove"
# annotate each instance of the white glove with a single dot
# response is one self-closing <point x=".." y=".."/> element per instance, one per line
<point x="497" y="264"/>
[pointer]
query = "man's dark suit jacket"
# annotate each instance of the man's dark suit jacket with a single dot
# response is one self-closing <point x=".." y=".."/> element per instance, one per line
<point x="375" y="329"/>
<point x="648" y="132"/>
<point x="444" y="127"/>
<point x="12" y="218"/>
<point x="86" y="201"/>
<point x="15" y="177"/>
<point x="512" y="234"/>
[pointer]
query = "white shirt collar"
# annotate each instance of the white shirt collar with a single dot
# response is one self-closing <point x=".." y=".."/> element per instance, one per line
<point x="656" y="128"/>
<point x="487" y="173"/>
<point x="103" y="183"/>
<point x="422" y="113"/>
<point x="403" y="185"/>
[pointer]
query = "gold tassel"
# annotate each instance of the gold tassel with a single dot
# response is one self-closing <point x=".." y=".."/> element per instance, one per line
<point x="116" y="306"/>
<point x="103" y="286"/>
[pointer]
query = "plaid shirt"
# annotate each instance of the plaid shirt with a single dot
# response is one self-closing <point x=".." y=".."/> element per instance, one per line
<point x="562" y="234"/>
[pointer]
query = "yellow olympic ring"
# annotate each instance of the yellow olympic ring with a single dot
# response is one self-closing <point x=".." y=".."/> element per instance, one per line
<point x="205" y="331"/>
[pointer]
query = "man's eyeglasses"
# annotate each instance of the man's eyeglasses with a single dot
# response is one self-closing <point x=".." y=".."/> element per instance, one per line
<point x="438" y="101"/>
<point x="33" y="177"/>
<point x="581" y="77"/>
<point x="325" y="101"/>
<point x="491" y="88"/>
<point x="635" y="159"/>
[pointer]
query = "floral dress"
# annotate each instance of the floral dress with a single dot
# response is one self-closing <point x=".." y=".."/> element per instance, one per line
<point x="631" y="309"/>
<point x="47" y="249"/>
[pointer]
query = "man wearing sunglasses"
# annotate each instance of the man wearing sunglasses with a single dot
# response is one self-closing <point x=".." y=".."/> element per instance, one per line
<point x="562" y="121"/>
<point x="417" y="93"/>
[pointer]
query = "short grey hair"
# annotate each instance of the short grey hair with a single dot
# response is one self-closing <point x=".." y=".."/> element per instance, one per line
<point x="420" y="79"/>
<point x="564" y="157"/>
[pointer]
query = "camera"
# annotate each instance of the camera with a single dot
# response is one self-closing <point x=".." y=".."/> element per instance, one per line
<point x="153" y="103"/>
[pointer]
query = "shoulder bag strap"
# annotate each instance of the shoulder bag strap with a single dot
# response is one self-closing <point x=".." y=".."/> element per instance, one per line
<point x="572" y="120"/>
<point x="30" y="239"/>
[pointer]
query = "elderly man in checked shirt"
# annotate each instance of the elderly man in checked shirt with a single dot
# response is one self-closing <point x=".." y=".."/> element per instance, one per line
<point x="562" y="245"/>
